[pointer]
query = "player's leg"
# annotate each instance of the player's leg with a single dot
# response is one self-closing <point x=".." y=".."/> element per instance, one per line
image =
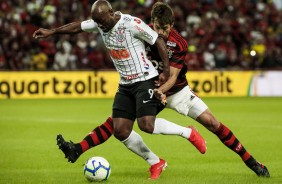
<point x="96" y="137"/>
<point x="135" y="143"/>
<point x="132" y="140"/>
<point x="226" y="136"/>
<point x="165" y="127"/>
<point x="123" y="118"/>
<point x="187" y="103"/>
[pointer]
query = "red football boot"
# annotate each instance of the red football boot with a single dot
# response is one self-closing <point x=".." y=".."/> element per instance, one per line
<point x="157" y="169"/>
<point x="197" y="140"/>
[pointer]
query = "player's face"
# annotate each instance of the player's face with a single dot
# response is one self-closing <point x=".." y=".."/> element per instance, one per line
<point x="161" y="29"/>
<point x="104" y="21"/>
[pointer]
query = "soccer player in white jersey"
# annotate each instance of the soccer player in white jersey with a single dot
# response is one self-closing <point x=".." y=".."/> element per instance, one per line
<point x="124" y="37"/>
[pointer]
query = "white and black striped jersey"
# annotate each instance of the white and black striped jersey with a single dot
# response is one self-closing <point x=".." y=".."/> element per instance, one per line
<point x="125" y="44"/>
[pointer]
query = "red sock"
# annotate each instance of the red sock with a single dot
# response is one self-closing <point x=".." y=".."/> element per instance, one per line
<point x="97" y="136"/>
<point x="228" y="139"/>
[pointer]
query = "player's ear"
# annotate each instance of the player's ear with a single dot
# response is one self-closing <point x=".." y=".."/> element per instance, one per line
<point x="111" y="11"/>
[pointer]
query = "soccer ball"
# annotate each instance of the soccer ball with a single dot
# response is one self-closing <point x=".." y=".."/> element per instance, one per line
<point x="97" y="169"/>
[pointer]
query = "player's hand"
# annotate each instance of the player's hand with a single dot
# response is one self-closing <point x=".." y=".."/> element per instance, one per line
<point x="161" y="96"/>
<point x="42" y="33"/>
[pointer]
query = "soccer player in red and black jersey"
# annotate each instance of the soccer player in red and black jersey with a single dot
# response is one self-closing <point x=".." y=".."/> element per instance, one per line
<point x="177" y="50"/>
<point x="179" y="96"/>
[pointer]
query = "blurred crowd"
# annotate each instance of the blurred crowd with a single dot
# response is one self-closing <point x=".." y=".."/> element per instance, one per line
<point x="222" y="34"/>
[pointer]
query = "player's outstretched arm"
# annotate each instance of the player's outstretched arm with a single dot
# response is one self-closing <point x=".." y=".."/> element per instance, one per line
<point x="71" y="28"/>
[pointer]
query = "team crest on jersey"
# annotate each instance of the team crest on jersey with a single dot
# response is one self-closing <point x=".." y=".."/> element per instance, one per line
<point x="120" y="33"/>
<point x="171" y="44"/>
<point x="170" y="53"/>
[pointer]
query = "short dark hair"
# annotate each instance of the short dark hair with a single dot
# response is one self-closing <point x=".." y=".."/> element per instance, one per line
<point x="163" y="13"/>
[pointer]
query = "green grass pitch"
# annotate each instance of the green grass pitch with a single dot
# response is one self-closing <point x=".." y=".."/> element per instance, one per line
<point x="29" y="154"/>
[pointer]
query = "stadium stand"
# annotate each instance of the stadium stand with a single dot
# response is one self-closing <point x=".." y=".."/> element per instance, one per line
<point x="222" y="34"/>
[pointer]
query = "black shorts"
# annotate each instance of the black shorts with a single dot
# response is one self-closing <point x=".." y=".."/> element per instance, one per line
<point x="136" y="100"/>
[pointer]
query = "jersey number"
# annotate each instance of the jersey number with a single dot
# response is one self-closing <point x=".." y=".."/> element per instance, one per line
<point x="137" y="21"/>
<point x="151" y="92"/>
<point x="158" y="65"/>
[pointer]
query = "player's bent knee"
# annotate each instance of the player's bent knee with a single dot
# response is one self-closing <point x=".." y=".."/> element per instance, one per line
<point x="121" y="135"/>
<point x="146" y="126"/>
<point x="209" y="121"/>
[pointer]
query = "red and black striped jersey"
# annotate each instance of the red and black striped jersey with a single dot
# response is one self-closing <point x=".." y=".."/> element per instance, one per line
<point x="177" y="48"/>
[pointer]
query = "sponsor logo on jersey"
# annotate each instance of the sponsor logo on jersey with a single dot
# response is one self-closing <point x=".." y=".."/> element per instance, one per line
<point x="171" y="44"/>
<point x="130" y="77"/>
<point x="120" y="54"/>
<point x="146" y="65"/>
<point x="134" y="76"/>
<point x="144" y="32"/>
<point x="127" y="19"/>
